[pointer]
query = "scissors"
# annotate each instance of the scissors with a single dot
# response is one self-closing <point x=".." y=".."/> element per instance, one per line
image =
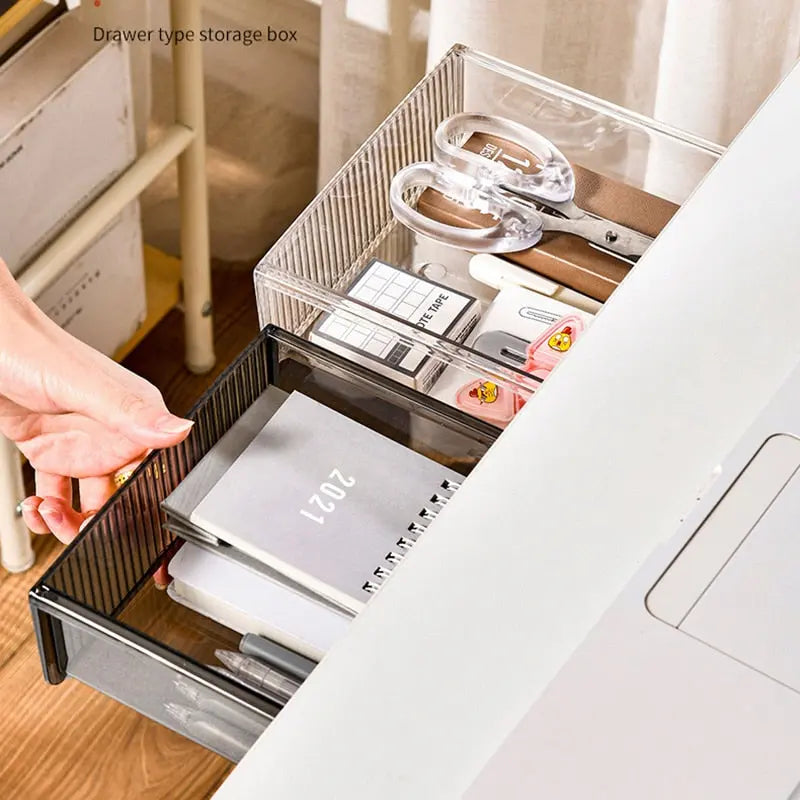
<point x="524" y="205"/>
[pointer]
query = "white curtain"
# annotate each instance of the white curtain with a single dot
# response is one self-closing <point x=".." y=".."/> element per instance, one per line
<point x="702" y="65"/>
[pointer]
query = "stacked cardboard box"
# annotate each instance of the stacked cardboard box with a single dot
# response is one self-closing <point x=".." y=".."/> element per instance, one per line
<point x="66" y="133"/>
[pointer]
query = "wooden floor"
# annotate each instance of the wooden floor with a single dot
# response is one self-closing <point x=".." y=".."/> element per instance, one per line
<point x="68" y="742"/>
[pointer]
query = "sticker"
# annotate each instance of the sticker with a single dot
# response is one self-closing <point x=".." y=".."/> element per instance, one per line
<point x="561" y="341"/>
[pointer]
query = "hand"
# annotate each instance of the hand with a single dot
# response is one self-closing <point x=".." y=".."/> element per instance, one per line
<point x="73" y="413"/>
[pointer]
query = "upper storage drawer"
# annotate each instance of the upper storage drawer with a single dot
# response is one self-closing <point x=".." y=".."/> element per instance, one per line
<point x="628" y="168"/>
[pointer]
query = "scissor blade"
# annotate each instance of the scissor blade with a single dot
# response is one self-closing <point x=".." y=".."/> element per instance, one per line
<point x="615" y="239"/>
<point x="627" y="259"/>
<point x="566" y="209"/>
<point x="567" y="217"/>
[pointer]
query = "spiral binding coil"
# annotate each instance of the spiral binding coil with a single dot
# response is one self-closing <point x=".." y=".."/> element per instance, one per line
<point x="415" y="530"/>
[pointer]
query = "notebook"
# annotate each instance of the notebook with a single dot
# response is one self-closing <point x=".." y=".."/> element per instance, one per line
<point x="323" y="502"/>
<point x="252" y="602"/>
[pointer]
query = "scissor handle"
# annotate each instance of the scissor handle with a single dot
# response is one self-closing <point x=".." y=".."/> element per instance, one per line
<point x="553" y="180"/>
<point x="517" y="226"/>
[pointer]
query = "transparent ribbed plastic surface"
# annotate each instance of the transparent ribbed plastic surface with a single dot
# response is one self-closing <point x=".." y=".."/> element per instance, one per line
<point x="97" y="614"/>
<point x="350" y="222"/>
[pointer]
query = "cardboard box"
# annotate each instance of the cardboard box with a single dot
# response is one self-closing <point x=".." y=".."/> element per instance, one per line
<point x="66" y="132"/>
<point x="100" y="298"/>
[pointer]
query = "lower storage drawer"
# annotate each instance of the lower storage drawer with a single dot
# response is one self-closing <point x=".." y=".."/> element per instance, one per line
<point x="99" y="617"/>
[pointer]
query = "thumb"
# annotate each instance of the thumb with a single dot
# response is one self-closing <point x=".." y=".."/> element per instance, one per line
<point x="144" y="419"/>
<point x="133" y="407"/>
<point x="81" y="379"/>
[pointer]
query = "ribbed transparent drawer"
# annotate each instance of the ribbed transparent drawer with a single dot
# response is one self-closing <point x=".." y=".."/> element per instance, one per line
<point x="97" y="614"/>
<point x="309" y="270"/>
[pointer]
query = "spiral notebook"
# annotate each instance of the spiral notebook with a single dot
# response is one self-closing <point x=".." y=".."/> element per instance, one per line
<point x="324" y="501"/>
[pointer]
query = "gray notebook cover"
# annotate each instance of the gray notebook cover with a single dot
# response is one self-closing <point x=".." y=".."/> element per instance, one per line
<point x="182" y="502"/>
<point x="180" y="505"/>
<point x="322" y="499"/>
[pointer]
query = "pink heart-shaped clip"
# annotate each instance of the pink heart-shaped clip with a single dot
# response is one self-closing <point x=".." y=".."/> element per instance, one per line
<point x="490" y="402"/>
<point x="546" y="351"/>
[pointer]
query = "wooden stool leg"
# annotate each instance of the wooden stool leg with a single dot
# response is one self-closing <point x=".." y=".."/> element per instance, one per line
<point x="187" y="60"/>
<point x="16" y="552"/>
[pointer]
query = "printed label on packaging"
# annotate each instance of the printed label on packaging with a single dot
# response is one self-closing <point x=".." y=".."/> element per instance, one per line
<point x="418" y="301"/>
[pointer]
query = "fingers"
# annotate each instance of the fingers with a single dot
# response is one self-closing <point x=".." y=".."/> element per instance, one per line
<point x="51" y="510"/>
<point x="131" y="406"/>
<point x="53" y="373"/>
<point x="94" y="493"/>
<point x="78" y="446"/>
<point x="52" y="515"/>
<point x="145" y="420"/>
<point x="49" y="485"/>
<point x="161" y="577"/>
<point x="32" y="517"/>
<point x="61" y="519"/>
<point x="60" y="375"/>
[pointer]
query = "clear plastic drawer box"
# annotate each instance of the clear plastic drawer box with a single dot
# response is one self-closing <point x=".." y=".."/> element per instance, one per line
<point x="350" y="222"/>
<point x="97" y="614"/>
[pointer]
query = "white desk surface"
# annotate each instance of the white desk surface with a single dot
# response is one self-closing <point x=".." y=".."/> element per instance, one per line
<point x="590" y="477"/>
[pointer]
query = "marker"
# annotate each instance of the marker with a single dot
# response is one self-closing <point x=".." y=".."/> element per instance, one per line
<point x="217" y="707"/>
<point x="291" y="663"/>
<point x="499" y="273"/>
<point x="212" y="732"/>
<point x="260" y="675"/>
<point x="226" y="673"/>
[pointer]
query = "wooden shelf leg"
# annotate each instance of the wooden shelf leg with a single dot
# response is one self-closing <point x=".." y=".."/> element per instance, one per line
<point x="193" y="190"/>
<point x="16" y="551"/>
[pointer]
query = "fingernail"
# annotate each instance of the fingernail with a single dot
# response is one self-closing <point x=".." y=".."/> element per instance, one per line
<point x="29" y="504"/>
<point x="51" y="515"/>
<point x="160" y="586"/>
<point x="173" y="425"/>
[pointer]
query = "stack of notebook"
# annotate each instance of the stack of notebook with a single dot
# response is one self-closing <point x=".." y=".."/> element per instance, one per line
<point x="297" y="515"/>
